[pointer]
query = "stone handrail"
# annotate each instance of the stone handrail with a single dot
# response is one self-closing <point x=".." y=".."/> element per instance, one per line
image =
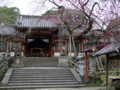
<point x="74" y="65"/>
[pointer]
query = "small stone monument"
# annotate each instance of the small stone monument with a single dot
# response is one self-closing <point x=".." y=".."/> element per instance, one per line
<point x="63" y="53"/>
<point x="63" y="59"/>
<point x="17" y="59"/>
<point x="5" y="62"/>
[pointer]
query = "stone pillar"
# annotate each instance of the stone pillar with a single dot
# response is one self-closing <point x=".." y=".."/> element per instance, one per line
<point x="63" y="61"/>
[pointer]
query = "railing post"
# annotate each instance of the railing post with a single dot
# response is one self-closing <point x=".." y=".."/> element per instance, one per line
<point x="74" y="45"/>
<point x="70" y="51"/>
<point x="107" y="61"/>
<point x="86" y="67"/>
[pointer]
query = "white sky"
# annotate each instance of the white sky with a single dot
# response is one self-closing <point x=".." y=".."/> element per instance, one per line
<point x="28" y="7"/>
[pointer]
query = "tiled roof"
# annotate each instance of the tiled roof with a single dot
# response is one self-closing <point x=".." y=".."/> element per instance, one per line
<point x="96" y="32"/>
<point x="73" y="12"/>
<point x="8" y="30"/>
<point x="35" y="21"/>
<point x="76" y="32"/>
<point x="114" y="47"/>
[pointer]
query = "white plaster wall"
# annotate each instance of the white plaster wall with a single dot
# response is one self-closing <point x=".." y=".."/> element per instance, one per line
<point x="57" y="54"/>
<point x="72" y="54"/>
<point x="12" y="54"/>
<point x="22" y="54"/>
<point x="1" y="53"/>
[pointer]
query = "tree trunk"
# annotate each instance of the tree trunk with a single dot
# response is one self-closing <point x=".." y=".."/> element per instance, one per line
<point x="73" y="41"/>
<point x="70" y="51"/>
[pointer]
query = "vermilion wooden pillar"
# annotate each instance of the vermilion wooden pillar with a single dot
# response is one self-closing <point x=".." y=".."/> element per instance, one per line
<point x="25" y="47"/>
<point x="86" y="67"/>
<point x="52" y="46"/>
<point x="67" y="47"/>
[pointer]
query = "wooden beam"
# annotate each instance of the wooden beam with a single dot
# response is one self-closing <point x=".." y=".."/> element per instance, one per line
<point x="36" y="29"/>
<point x="22" y="41"/>
<point x="67" y="46"/>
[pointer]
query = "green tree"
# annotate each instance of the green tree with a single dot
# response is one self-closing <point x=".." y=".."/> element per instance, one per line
<point x="50" y="12"/>
<point x="8" y="15"/>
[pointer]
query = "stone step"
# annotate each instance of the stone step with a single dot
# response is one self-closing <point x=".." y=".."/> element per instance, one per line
<point x="39" y="76"/>
<point x="36" y="74"/>
<point x="52" y="83"/>
<point x="41" y="86"/>
<point x="40" y="58"/>
<point x="41" y="73"/>
<point x="39" y="65"/>
<point x="40" y="61"/>
<point x="42" y="81"/>
<point x="11" y="79"/>
<point x="42" y="69"/>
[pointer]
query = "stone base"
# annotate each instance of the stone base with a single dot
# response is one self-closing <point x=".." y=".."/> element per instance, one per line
<point x="63" y="61"/>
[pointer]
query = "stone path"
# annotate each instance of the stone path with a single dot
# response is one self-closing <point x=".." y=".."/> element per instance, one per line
<point x="83" y="88"/>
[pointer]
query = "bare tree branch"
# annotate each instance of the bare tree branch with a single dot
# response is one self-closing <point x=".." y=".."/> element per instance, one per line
<point x="52" y="1"/>
<point x="94" y="7"/>
<point x="86" y="2"/>
<point x="77" y="27"/>
<point x="90" y="25"/>
<point x="40" y="1"/>
<point x="81" y="9"/>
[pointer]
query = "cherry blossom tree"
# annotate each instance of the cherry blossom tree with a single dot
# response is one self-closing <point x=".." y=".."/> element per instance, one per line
<point x="97" y="15"/>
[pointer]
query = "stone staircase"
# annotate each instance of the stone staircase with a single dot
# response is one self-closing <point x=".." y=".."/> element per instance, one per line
<point x="40" y="61"/>
<point x="41" y="77"/>
<point x="40" y="73"/>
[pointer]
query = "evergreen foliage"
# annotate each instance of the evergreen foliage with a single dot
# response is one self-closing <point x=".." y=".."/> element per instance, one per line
<point x="8" y="15"/>
<point x="51" y="12"/>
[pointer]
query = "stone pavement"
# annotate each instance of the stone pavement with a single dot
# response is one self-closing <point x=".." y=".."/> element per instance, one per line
<point x="82" y="88"/>
<point x="85" y="88"/>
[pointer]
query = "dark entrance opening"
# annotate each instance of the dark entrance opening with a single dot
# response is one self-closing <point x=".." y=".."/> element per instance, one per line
<point x="39" y="47"/>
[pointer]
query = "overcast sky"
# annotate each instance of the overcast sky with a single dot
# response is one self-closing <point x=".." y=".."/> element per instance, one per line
<point x="28" y="7"/>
